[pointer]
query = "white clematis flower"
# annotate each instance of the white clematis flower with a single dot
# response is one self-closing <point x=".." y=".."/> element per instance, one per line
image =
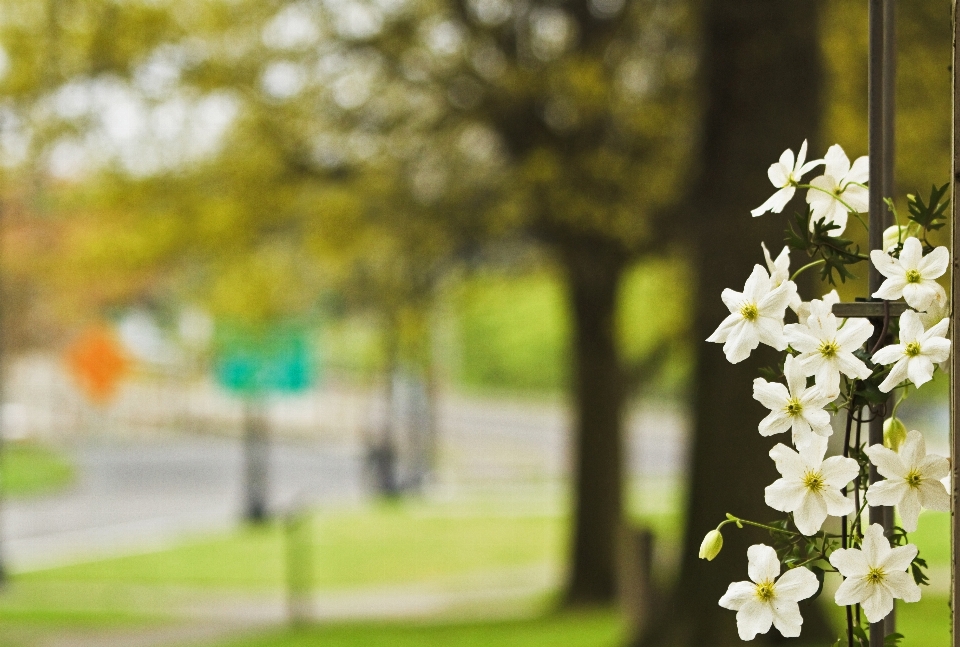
<point x="793" y="406"/>
<point x="937" y="310"/>
<point x="785" y="175"/>
<point x="875" y="574"/>
<point x="780" y="271"/>
<point x="766" y="600"/>
<point x="893" y="236"/>
<point x="913" y="275"/>
<point x="810" y="487"/>
<point x="826" y="350"/>
<point x="819" y="307"/>
<point x="916" y="353"/>
<point x="912" y="479"/>
<point x="756" y="315"/>
<point x="839" y="190"/>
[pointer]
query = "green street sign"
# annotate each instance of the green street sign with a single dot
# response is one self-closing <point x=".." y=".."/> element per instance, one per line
<point x="250" y="361"/>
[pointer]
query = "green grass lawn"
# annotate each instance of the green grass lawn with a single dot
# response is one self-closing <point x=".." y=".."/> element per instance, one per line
<point x="380" y="545"/>
<point x="599" y="629"/>
<point x="441" y="545"/>
<point x="28" y="468"/>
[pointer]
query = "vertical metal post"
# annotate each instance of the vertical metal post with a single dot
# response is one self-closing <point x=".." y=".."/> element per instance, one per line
<point x="955" y="338"/>
<point x="255" y="450"/>
<point x="881" y="88"/>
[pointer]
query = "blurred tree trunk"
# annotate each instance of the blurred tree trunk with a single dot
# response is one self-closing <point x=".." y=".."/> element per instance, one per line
<point x="761" y="76"/>
<point x="594" y="269"/>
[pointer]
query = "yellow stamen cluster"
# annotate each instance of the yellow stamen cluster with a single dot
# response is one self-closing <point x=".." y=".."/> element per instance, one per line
<point x="765" y="591"/>
<point x="912" y="349"/>
<point x="749" y="311"/>
<point x="913" y="276"/>
<point x="829" y="348"/>
<point x="876" y="575"/>
<point x="813" y="481"/>
<point x="913" y="478"/>
<point x="794" y="407"/>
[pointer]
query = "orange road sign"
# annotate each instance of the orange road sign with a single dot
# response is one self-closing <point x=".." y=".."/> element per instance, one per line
<point x="98" y="363"/>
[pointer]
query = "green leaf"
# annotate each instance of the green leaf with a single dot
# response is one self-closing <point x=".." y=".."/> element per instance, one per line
<point x="817" y="241"/>
<point x="929" y="215"/>
<point x="892" y="640"/>
<point x="770" y="373"/>
<point x="861" y="636"/>
<point x="916" y="568"/>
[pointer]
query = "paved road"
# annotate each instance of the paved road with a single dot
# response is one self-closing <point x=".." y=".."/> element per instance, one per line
<point x="142" y="494"/>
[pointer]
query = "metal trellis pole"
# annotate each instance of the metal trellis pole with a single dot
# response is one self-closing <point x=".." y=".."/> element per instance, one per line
<point x="881" y="87"/>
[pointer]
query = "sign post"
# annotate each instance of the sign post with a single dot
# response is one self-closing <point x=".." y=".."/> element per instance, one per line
<point x="253" y="363"/>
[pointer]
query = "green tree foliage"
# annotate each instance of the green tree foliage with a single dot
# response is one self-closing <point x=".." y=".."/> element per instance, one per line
<point x="371" y="145"/>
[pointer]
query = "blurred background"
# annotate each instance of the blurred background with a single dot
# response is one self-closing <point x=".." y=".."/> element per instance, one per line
<point x="378" y="322"/>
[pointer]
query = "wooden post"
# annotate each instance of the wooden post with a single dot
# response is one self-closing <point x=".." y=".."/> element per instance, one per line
<point x="954" y="338"/>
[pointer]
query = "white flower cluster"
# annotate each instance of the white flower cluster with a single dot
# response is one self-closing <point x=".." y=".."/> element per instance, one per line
<point x="820" y="348"/>
<point x="839" y="191"/>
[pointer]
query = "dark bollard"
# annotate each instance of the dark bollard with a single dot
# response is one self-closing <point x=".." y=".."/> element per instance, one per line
<point x="298" y="555"/>
<point x="635" y="582"/>
<point x="256" y="454"/>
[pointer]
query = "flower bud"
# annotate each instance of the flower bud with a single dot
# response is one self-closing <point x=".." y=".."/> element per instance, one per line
<point x="894" y="433"/>
<point x="893" y="235"/>
<point x="711" y="545"/>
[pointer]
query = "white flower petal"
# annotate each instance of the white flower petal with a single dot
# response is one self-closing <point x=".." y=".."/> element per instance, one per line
<point x="934" y="264"/>
<point x="899" y="558"/>
<point x="888" y="354"/>
<point x="853" y="589"/>
<point x="850" y="562"/>
<point x="742" y="341"/>
<point x="878" y="604"/>
<point x="837" y="504"/>
<point x="836" y="162"/>
<point x="933" y="466"/>
<point x="911" y="254"/>
<point x="754" y="617"/>
<point x="788" y="462"/>
<point x="797" y="584"/>
<point x="887" y="265"/>
<point x="909" y="509"/>
<point x="774" y="203"/>
<point x="914" y="448"/>
<point x="937" y="349"/>
<point x="810" y="514"/>
<point x="933" y="495"/>
<point x="875" y="546"/>
<point x="776" y="422"/>
<point x="860" y="171"/>
<point x="762" y="563"/>
<point x="738" y="594"/>
<point x="837" y="471"/>
<point x="786" y="617"/>
<point x="886" y="492"/>
<point x="888" y="462"/>
<point x="920" y="370"/>
<point x="891" y="289"/>
<point x="785" y="495"/>
<point x="770" y="332"/>
<point x="796" y="380"/>
<point x="772" y="395"/>
<point x="854" y="333"/>
<point x="896" y="375"/>
<point x="902" y="586"/>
